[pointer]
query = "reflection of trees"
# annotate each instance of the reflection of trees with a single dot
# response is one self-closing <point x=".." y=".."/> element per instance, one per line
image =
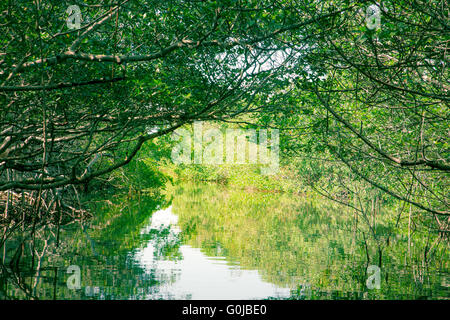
<point x="103" y="250"/>
<point x="166" y="243"/>
<point x="294" y="241"/>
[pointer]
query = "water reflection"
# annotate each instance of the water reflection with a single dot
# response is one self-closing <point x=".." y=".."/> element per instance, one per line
<point x="214" y="242"/>
<point x="197" y="276"/>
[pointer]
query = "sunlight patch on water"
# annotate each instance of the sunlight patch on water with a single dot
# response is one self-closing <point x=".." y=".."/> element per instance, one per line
<point x="197" y="276"/>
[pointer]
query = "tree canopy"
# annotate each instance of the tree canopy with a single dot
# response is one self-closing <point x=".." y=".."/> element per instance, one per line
<point x="79" y="103"/>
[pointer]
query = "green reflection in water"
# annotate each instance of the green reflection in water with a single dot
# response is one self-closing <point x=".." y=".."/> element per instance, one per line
<point x="304" y="243"/>
<point x="313" y="247"/>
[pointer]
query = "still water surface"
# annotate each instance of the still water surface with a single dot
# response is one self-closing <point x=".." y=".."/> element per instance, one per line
<point x="214" y="242"/>
<point x="196" y="275"/>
